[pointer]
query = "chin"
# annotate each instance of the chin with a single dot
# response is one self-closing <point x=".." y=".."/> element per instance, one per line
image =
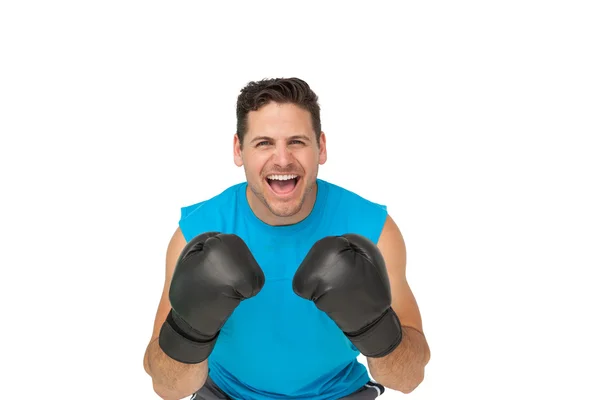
<point x="284" y="212"/>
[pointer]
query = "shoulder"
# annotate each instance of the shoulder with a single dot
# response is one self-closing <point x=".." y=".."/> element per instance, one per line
<point x="339" y="194"/>
<point x="198" y="216"/>
<point x="227" y="195"/>
<point x="362" y="214"/>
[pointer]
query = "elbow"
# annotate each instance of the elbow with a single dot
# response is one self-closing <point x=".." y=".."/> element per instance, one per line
<point x="164" y="393"/>
<point x="167" y="393"/>
<point x="416" y="377"/>
<point x="406" y="389"/>
<point x="407" y="385"/>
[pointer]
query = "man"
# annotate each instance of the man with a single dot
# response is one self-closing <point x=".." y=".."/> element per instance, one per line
<point x="275" y="286"/>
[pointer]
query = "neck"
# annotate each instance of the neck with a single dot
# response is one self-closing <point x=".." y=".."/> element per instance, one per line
<point x="263" y="213"/>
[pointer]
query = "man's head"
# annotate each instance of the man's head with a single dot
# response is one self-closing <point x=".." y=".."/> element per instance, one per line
<point x="280" y="145"/>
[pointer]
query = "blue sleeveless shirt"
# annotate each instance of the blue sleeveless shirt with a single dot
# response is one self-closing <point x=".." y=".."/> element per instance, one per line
<point x="277" y="345"/>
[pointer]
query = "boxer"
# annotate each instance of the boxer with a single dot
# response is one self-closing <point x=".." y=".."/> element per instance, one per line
<point x="276" y="286"/>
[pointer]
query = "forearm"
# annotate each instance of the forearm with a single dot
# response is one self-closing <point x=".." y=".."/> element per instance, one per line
<point x="171" y="379"/>
<point x="404" y="368"/>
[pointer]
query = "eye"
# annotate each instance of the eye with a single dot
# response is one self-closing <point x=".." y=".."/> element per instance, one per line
<point x="297" y="142"/>
<point x="264" y="142"/>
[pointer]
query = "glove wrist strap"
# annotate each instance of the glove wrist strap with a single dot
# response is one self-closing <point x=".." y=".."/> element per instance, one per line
<point x="181" y="347"/>
<point x="380" y="338"/>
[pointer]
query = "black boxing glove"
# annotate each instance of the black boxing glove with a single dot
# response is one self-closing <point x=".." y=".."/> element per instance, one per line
<point x="345" y="276"/>
<point x="214" y="273"/>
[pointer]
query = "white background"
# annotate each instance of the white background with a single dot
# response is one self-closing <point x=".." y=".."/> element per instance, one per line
<point x="476" y="122"/>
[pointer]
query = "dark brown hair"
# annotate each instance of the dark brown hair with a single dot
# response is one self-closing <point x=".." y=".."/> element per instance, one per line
<point x="280" y="90"/>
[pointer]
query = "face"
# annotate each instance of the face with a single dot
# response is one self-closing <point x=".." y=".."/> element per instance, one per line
<point x="281" y="159"/>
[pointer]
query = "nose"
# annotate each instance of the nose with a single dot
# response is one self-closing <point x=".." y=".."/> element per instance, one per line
<point x="283" y="156"/>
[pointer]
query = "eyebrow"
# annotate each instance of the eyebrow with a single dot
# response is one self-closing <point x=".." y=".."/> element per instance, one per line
<point x="261" y="138"/>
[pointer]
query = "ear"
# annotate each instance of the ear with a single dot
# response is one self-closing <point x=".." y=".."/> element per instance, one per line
<point x="237" y="151"/>
<point x="322" y="148"/>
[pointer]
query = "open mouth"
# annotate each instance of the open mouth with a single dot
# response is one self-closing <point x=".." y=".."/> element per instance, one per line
<point x="283" y="184"/>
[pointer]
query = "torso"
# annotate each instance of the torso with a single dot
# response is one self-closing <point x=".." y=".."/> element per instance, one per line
<point x="277" y="342"/>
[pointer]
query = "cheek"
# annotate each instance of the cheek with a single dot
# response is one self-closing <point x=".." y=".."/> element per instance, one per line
<point x="308" y="161"/>
<point x="255" y="165"/>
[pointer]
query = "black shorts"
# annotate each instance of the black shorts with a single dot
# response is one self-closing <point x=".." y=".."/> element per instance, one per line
<point x="210" y="391"/>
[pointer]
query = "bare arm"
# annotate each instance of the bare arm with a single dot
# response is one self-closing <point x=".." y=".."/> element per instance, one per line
<point x="404" y="368"/>
<point x="171" y="379"/>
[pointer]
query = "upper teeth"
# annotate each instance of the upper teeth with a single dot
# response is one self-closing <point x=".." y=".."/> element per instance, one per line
<point x="282" y="177"/>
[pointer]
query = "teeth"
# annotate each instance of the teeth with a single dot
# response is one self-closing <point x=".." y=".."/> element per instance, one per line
<point x="281" y="177"/>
